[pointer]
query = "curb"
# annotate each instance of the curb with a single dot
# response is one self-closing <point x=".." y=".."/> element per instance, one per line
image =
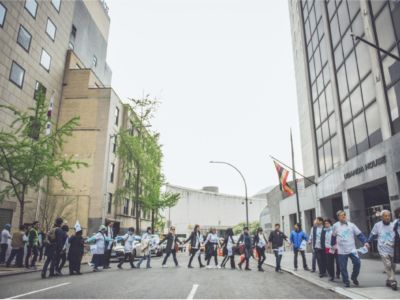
<point x="30" y="271"/>
<point x="338" y="290"/>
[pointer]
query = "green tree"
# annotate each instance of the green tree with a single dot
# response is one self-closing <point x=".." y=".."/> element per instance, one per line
<point x="27" y="154"/>
<point x="253" y="226"/>
<point x="139" y="152"/>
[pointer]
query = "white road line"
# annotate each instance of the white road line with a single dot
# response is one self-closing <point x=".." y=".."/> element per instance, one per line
<point x="38" y="291"/>
<point x="193" y="291"/>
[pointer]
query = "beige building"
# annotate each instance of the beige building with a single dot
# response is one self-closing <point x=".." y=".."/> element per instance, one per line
<point x="34" y="38"/>
<point x="61" y="47"/>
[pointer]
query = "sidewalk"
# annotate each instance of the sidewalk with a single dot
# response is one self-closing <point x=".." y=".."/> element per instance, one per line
<point x="372" y="279"/>
<point x="4" y="271"/>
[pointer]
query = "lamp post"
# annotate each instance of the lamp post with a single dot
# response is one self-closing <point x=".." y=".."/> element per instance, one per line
<point x="245" y="187"/>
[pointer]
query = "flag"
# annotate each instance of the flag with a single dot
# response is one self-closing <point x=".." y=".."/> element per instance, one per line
<point x="283" y="175"/>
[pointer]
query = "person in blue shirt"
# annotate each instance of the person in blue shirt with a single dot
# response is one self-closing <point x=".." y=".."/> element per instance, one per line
<point x="298" y="239"/>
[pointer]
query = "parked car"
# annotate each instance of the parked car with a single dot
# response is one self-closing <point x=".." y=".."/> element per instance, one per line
<point x="155" y="248"/>
<point x="119" y="248"/>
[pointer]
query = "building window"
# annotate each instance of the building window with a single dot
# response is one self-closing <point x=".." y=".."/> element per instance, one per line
<point x="56" y="4"/>
<point x="133" y="210"/>
<point x="3" y="12"/>
<point x="109" y="203"/>
<point x="17" y="74"/>
<point x="114" y="149"/>
<point x="116" y="116"/>
<point x="24" y="38"/>
<point x="386" y="20"/>
<point x="112" y="172"/>
<point x="126" y="207"/>
<point x="51" y="29"/>
<point x="45" y="60"/>
<point x="94" y="61"/>
<point x="31" y="6"/>
<point x="40" y="90"/>
<point x="73" y="32"/>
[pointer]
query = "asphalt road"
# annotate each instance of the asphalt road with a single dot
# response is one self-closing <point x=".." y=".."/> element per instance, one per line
<point x="171" y="282"/>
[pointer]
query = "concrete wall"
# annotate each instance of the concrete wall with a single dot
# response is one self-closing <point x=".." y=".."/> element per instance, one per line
<point x="209" y="209"/>
<point x="92" y="24"/>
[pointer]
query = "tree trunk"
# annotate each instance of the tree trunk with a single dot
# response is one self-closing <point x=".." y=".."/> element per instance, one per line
<point x="22" y="209"/>
<point x="152" y="220"/>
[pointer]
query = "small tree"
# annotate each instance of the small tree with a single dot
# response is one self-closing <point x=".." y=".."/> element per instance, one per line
<point x="27" y="154"/>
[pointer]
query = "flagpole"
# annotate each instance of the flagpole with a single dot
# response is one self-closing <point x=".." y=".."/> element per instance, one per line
<point x="294" y="179"/>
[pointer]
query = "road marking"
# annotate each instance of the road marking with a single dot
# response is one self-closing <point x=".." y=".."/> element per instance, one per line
<point x="193" y="291"/>
<point x="38" y="291"/>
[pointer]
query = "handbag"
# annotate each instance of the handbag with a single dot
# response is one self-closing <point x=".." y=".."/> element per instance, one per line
<point x="176" y="247"/>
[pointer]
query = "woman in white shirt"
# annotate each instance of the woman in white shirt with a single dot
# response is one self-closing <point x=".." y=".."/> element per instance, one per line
<point x="212" y="242"/>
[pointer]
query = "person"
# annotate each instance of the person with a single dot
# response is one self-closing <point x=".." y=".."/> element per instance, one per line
<point x="330" y="251"/>
<point x="343" y="233"/>
<point x="298" y="239"/>
<point x="101" y="240"/>
<point x="146" y="246"/>
<point x="276" y="239"/>
<point x="260" y="242"/>
<point x="211" y="243"/>
<point x="17" y="247"/>
<point x="5" y="236"/>
<point x="109" y="245"/>
<point x="75" y="251"/>
<point x="248" y="246"/>
<point x="195" y="244"/>
<point x="396" y="229"/>
<point x="227" y="249"/>
<point x="315" y="239"/>
<point x="33" y="246"/>
<point x="42" y="238"/>
<point x="314" y="254"/>
<point x="63" y="255"/>
<point x="383" y="231"/>
<point x="53" y="248"/>
<point x="129" y="239"/>
<point x="172" y="246"/>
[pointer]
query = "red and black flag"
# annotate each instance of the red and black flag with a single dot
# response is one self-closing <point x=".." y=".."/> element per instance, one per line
<point x="283" y="175"/>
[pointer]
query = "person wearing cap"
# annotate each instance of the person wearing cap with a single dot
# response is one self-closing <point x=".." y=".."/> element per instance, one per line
<point x="100" y="239"/>
<point x="384" y="233"/>
<point x="75" y="252"/>
<point x="33" y="246"/>
<point x="343" y="233"/>
<point x="5" y="236"/>
<point x="298" y="239"/>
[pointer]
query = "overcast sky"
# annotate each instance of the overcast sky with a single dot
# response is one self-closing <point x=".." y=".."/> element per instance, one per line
<point x="224" y="72"/>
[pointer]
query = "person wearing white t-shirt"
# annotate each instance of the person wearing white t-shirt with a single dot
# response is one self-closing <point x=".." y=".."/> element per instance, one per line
<point x="343" y="233"/>
<point x="384" y="233"/>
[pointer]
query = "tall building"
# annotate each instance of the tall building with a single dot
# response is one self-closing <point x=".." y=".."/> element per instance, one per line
<point x="60" y="47"/>
<point x="348" y="96"/>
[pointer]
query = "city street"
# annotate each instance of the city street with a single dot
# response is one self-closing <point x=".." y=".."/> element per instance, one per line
<point x="160" y="282"/>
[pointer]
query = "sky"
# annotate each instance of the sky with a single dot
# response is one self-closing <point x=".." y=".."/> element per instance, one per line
<point x="224" y="73"/>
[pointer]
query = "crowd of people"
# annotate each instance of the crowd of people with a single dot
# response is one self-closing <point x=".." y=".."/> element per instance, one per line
<point x="332" y="244"/>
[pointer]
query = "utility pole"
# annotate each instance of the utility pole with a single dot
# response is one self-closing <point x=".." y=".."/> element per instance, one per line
<point x="294" y="179"/>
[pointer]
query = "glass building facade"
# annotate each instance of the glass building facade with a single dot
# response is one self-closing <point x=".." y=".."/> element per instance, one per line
<point x="358" y="113"/>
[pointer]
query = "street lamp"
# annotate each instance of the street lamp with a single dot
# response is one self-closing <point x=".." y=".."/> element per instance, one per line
<point x="245" y="187"/>
<point x="356" y="37"/>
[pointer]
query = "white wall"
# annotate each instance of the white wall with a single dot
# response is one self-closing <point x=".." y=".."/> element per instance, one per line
<point x="209" y="209"/>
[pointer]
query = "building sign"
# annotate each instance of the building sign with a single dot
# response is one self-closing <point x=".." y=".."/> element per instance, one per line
<point x="368" y="166"/>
